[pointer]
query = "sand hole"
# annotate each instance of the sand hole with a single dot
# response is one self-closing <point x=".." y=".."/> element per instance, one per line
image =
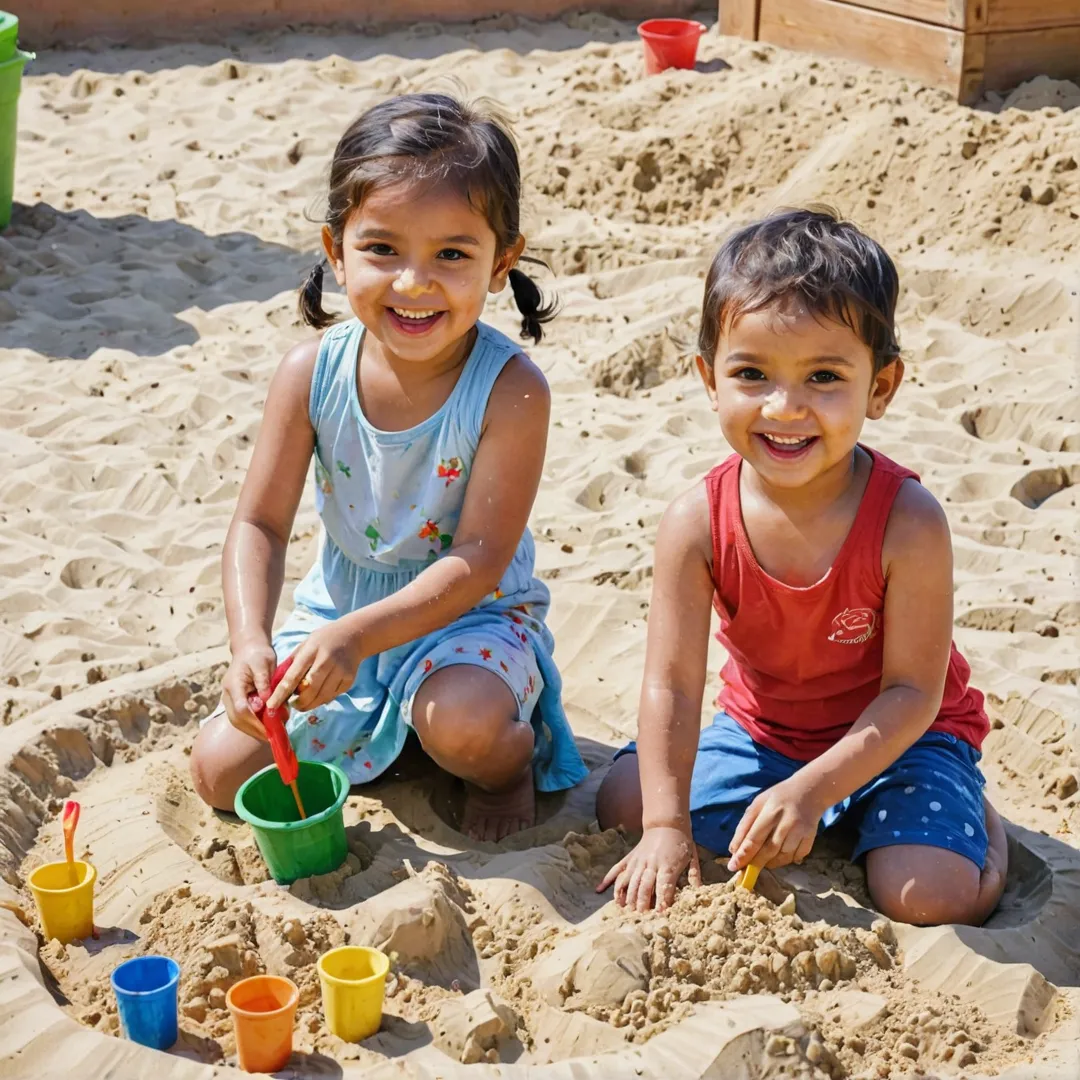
<point x="1040" y="485"/>
<point x="1039" y="424"/>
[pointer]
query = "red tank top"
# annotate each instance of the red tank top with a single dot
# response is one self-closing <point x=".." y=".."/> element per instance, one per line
<point x="805" y="662"/>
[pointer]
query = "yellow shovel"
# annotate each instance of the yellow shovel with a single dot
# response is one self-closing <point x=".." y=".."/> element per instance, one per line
<point x="748" y="877"/>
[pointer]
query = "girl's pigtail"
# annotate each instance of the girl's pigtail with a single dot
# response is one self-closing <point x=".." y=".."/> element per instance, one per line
<point x="310" y="302"/>
<point x="530" y="302"/>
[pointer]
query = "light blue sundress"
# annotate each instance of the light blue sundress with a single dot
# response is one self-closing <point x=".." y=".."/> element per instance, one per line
<point x="389" y="503"/>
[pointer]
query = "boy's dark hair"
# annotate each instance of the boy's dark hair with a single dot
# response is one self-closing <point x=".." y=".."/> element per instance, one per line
<point x="813" y="259"/>
<point x="431" y="139"/>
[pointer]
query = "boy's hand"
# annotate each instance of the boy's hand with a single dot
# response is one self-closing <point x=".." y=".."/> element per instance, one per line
<point x="249" y="673"/>
<point x="653" y="869"/>
<point x="778" y="828"/>
<point x="323" y="667"/>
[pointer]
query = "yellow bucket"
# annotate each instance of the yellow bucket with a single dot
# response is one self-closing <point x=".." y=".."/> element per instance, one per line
<point x="353" y="982"/>
<point x="66" y="910"/>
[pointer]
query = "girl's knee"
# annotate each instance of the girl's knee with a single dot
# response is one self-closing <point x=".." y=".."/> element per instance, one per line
<point x="618" y="802"/>
<point x="928" y="886"/>
<point x="205" y="775"/>
<point x="463" y="713"/>
<point x="221" y="760"/>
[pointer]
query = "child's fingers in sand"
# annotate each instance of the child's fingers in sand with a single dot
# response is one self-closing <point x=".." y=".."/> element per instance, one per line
<point x="639" y="896"/>
<point x="694" y="872"/>
<point x="612" y="874"/>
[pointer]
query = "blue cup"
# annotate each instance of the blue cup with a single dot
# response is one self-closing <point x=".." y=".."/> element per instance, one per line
<point x="146" y="995"/>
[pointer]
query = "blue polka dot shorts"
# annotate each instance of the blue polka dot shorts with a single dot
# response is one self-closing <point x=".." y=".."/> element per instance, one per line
<point x="932" y="794"/>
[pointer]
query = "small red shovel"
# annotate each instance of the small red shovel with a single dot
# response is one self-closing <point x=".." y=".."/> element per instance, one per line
<point x="274" y="722"/>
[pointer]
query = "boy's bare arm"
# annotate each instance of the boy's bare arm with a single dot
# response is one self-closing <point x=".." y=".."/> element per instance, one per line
<point x="918" y="625"/>
<point x="669" y="720"/>
<point x="676" y="658"/>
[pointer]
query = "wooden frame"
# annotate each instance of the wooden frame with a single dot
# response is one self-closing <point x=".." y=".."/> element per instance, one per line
<point x="964" y="46"/>
<point x="739" y="18"/>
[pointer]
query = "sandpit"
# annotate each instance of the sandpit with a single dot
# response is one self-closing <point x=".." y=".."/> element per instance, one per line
<point x="501" y="960"/>
<point x="147" y="295"/>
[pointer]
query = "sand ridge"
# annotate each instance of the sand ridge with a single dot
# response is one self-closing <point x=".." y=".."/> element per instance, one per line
<point x="145" y="297"/>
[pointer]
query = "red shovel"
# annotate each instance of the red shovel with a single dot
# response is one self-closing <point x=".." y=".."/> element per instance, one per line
<point x="274" y="722"/>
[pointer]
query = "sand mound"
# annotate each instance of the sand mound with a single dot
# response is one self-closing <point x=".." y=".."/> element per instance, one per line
<point x="145" y="297"/>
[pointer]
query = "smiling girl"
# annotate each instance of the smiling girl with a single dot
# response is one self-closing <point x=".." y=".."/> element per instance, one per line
<point x="428" y="429"/>
<point x="830" y="568"/>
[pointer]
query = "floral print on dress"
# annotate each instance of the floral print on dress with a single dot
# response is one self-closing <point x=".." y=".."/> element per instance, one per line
<point x="322" y="478"/>
<point x="343" y="468"/>
<point x="430" y="530"/>
<point x="449" y="470"/>
<point x="373" y="536"/>
<point x="530" y="688"/>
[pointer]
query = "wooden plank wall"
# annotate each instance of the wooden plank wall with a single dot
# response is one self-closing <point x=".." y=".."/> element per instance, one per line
<point x="1013" y="58"/>
<point x="739" y="18"/>
<point x="934" y="54"/>
<point x="963" y="46"/>
<point x="1031" y="14"/>
<point x="958" y="14"/>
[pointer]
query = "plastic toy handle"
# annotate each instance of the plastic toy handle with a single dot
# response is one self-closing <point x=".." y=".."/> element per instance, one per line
<point x="69" y="820"/>
<point x="284" y="756"/>
<point x="749" y="876"/>
<point x="273" y="721"/>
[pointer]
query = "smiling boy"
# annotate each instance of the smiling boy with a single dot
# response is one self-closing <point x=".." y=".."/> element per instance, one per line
<point x="830" y="568"/>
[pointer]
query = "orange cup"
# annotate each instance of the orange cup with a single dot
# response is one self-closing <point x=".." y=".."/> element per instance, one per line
<point x="264" y="1011"/>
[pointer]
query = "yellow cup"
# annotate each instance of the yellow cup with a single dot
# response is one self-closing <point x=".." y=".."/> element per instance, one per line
<point x="353" y="982"/>
<point x="66" y="910"/>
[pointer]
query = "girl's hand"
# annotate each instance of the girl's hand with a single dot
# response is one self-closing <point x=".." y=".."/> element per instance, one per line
<point x="653" y="869"/>
<point x="322" y="668"/>
<point x="249" y="673"/>
<point x="778" y="828"/>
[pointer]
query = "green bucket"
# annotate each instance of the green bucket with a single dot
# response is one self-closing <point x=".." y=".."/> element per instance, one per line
<point x="295" y="848"/>
<point x="12" y="62"/>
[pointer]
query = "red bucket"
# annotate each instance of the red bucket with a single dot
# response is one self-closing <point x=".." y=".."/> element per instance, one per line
<point x="670" y="43"/>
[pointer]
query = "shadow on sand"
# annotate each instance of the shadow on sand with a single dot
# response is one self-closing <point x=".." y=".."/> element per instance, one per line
<point x="50" y="264"/>
<point x="416" y="41"/>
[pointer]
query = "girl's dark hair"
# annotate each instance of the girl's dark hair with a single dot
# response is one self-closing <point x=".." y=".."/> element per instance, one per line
<point x="810" y="258"/>
<point x="431" y="139"/>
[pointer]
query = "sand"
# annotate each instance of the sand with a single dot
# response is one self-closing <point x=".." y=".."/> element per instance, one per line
<point x="145" y="297"/>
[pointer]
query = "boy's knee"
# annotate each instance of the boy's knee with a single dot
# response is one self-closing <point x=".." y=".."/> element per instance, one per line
<point x="937" y="890"/>
<point x="618" y="802"/>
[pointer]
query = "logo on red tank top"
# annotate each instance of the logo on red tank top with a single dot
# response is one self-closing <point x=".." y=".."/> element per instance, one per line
<point x="853" y="626"/>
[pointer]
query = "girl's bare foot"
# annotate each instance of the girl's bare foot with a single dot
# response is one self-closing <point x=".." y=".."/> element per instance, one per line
<point x="494" y="815"/>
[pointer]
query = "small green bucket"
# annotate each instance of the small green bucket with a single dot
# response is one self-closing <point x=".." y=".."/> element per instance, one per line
<point x="12" y="62"/>
<point x="295" y="848"/>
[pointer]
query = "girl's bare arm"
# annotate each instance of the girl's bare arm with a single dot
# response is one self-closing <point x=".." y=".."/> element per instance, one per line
<point x="253" y="561"/>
